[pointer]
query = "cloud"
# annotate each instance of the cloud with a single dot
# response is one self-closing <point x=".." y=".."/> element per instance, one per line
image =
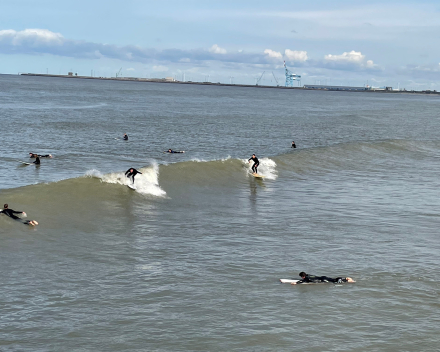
<point x="294" y="55"/>
<point x="352" y="56"/>
<point x="160" y="68"/>
<point x="33" y="37"/>
<point x="273" y="54"/>
<point x="215" y="49"/>
<point x="131" y="69"/>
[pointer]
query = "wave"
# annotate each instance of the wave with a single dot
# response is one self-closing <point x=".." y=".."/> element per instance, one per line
<point x="146" y="183"/>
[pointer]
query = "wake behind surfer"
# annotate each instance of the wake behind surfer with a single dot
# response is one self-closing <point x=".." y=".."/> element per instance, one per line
<point x="256" y="163"/>
<point x="309" y="279"/>
<point x="132" y="173"/>
<point x="10" y="213"/>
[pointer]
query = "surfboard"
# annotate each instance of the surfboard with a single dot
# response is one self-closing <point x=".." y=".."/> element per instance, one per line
<point x="178" y="152"/>
<point x="132" y="187"/>
<point x="258" y="175"/>
<point x="24" y="162"/>
<point x="287" y="281"/>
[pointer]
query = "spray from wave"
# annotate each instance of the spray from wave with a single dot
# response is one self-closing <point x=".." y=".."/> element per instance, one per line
<point x="267" y="168"/>
<point x="146" y="183"/>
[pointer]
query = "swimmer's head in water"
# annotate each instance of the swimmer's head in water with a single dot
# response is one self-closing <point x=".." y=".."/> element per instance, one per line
<point x="5" y="206"/>
<point x="302" y="274"/>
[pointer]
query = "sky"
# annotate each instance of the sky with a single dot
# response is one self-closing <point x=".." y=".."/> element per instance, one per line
<point x="358" y="43"/>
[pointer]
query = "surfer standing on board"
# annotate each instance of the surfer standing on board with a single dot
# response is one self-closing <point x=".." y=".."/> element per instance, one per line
<point x="132" y="173"/>
<point x="256" y="163"/>
<point x="306" y="278"/>
<point x="10" y="213"/>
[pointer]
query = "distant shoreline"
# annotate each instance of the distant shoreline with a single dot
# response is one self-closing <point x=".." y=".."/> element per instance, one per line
<point x="305" y="87"/>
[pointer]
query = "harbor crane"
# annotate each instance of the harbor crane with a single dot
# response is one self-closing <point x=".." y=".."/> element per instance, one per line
<point x="275" y="79"/>
<point x="118" y="74"/>
<point x="290" y="77"/>
<point x="259" y="79"/>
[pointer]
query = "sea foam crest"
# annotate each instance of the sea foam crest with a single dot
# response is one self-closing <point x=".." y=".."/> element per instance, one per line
<point x="267" y="168"/>
<point x="145" y="183"/>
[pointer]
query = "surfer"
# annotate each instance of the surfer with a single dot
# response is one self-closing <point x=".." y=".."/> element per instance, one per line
<point x="125" y="137"/>
<point x="174" y="152"/>
<point x="132" y="173"/>
<point x="306" y="278"/>
<point x="293" y="144"/>
<point x="10" y="213"/>
<point x="33" y="155"/>
<point x="37" y="160"/>
<point x="256" y="163"/>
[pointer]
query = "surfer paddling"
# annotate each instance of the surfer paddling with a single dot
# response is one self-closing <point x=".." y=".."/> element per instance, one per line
<point x="33" y="155"/>
<point x="174" y="151"/>
<point x="10" y="213"/>
<point x="125" y="137"/>
<point x="132" y="173"/>
<point x="311" y="279"/>
<point x="256" y="163"/>
<point x="37" y="160"/>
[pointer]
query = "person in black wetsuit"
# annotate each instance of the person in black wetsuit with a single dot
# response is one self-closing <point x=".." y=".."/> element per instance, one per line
<point x="10" y="213"/>
<point x="33" y="155"/>
<point x="37" y="160"/>
<point x="256" y="163"/>
<point x="306" y="278"/>
<point x="125" y="137"/>
<point x="293" y="144"/>
<point x="174" y="152"/>
<point x="132" y="173"/>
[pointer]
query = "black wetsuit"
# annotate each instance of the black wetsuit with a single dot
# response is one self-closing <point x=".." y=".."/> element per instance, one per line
<point x="293" y="145"/>
<point x="318" y="279"/>
<point x="40" y="156"/>
<point x="125" y="137"/>
<point x="132" y="174"/>
<point x="10" y="213"/>
<point x="173" y="152"/>
<point x="37" y="161"/>
<point x="256" y="163"/>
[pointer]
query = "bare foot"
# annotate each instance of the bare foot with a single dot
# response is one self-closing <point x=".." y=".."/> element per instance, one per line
<point x="293" y="283"/>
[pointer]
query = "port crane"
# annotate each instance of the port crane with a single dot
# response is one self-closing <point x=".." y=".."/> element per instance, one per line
<point x="118" y="74"/>
<point x="259" y="79"/>
<point x="290" y="77"/>
<point x="273" y="74"/>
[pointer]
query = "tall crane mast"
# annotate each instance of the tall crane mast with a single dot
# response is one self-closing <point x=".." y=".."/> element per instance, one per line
<point x="118" y="74"/>
<point x="259" y="79"/>
<point x="290" y="77"/>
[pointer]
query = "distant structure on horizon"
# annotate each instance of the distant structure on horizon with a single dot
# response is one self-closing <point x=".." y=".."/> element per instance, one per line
<point x="290" y="77"/>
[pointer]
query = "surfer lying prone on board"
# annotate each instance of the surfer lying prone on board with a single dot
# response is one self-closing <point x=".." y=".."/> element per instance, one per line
<point x="256" y="163"/>
<point x="132" y="173"/>
<point x="174" y="151"/>
<point x="33" y="155"/>
<point x="309" y="279"/>
<point x="10" y="213"/>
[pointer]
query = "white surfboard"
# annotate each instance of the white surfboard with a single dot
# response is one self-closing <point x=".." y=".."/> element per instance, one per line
<point x="133" y="187"/>
<point x="24" y="162"/>
<point x="258" y="176"/>
<point x="287" y="281"/>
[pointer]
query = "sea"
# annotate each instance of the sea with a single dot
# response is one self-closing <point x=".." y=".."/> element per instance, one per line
<point x="191" y="259"/>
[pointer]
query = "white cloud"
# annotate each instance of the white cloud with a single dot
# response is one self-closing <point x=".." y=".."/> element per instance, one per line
<point x="217" y="50"/>
<point x="131" y="69"/>
<point x="160" y="68"/>
<point x="351" y="57"/>
<point x="31" y="37"/>
<point x="273" y="54"/>
<point x="294" y="55"/>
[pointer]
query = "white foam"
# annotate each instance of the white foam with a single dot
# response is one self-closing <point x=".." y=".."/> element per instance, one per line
<point x="267" y="168"/>
<point x="145" y="183"/>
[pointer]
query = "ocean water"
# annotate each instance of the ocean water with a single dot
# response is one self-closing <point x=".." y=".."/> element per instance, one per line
<point x="190" y="260"/>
